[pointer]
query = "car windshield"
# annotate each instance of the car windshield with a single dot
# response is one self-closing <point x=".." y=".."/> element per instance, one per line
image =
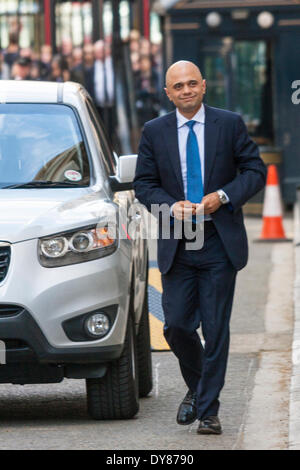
<point x="41" y="143"/>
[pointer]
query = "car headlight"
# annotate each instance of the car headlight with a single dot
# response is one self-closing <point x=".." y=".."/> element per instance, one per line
<point x="55" y="247"/>
<point x="81" y="242"/>
<point x="77" y="246"/>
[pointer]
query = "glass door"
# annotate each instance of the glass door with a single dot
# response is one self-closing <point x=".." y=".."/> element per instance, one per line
<point x="215" y="70"/>
<point x="238" y="74"/>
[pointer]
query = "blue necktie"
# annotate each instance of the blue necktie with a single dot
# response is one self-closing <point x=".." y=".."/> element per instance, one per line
<point x="195" y="190"/>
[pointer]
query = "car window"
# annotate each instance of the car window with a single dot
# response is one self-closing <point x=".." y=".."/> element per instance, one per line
<point x="41" y="142"/>
<point x="108" y="158"/>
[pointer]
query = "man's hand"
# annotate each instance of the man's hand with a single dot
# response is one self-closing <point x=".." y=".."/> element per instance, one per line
<point x="211" y="203"/>
<point x="183" y="210"/>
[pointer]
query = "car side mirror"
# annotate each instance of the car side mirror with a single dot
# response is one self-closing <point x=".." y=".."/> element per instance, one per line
<point x="125" y="173"/>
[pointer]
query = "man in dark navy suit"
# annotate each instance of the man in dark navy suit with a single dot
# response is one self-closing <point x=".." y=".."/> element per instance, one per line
<point x="198" y="158"/>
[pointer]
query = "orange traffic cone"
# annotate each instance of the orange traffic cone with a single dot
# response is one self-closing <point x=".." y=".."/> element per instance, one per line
<point x="272" y="229"/>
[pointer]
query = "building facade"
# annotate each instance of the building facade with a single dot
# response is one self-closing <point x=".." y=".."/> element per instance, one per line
<point x="55" y="22"/>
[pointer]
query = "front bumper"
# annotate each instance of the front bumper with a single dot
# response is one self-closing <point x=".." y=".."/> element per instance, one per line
<point x="26" y="343"/>
<point x="53" y="296"/>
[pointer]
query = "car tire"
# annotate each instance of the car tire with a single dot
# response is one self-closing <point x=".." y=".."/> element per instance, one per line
<point x="116" y="395"/>
<point x="144" y="350"/>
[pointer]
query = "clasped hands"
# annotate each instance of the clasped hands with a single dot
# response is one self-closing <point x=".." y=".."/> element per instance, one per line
<point x="183" y="210"/>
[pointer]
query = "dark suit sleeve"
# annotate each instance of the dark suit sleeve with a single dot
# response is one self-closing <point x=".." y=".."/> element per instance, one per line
<point x="252" y="170"/>
<point x="147" y="183"/>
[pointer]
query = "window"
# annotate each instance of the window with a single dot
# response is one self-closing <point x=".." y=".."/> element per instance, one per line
<point x="108" y="158"/>
<point x="238" y="74"/>
<point x="41" y="142"/>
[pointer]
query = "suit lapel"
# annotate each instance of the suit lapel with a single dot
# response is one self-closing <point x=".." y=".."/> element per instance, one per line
<point x="211" y="134"/>
<point x="171" y="139"/>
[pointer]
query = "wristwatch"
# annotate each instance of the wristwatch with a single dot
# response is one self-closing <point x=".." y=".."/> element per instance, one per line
<point x="222" y="196"/>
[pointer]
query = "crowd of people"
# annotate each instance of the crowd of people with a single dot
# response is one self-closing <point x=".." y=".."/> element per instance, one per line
<point x="92" y="66"/>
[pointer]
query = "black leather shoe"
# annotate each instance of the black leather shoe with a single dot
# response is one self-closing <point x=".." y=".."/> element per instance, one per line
<point x="187" y="411"/>
<point x="210" y="425"/>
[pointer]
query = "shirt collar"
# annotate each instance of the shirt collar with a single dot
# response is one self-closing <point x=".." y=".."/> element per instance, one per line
<point x="199" y="117"/>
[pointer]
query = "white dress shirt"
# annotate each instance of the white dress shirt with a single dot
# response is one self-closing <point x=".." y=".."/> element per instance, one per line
<point x="183" y="131"/>
<point x="104" y="77"/>
<point x="99" y="82"/>
<point x="109" y="70"/>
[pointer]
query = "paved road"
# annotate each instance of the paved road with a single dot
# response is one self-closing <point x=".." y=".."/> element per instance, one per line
<point x="54" y="416"/>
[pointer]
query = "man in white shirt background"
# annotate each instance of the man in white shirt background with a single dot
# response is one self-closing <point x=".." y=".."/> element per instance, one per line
<point x="104" y="83"/>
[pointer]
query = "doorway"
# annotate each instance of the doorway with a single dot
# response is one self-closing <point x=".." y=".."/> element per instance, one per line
<point x="239" y="78"/>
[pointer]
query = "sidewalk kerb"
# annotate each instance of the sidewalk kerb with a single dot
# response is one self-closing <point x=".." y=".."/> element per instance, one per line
<point x="294" y="415"/>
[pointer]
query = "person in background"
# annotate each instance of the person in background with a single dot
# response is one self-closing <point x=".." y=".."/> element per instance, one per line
<point x="11" y="53"/>
<point x="77" y="56"/>
<point x="26" y="52"/>
<point x="104" y="83"/>
<point x="88" y="68"/>
<point x="66" y="47"/>
<point x="134" y="47"/>
<point x="21" y="69"/>
<point x="145" y="47"/>
<point x="99" y="79"/>
<point x="4" y="69"/>
<point x="156" y="57"/>
<point x="146" y="83"/>
<point x="35" y="70"/>
<point x="91" y="66"/>
<point x="135" y="62"/>
<point x="59" y="69"/>
<point x="77" y="69"/>
<point x="110" y="88"/>
<point x="134" y="42"/>
<point x="66" y="53"/>
<point x="157" y="65"/>
<point x="46" y="58"/>
<point x="69" y="61"/>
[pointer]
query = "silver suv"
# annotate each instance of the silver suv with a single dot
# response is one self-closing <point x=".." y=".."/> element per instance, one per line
<point x="73" y="281"/>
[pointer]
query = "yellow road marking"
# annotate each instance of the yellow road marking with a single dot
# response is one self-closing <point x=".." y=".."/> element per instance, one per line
<point x="155" y="279"/>
<point x="158" y="341"/>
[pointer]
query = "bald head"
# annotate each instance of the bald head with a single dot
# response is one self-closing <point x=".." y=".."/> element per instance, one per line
<point x="182" y="67"/>
<point x="185" y="87"/>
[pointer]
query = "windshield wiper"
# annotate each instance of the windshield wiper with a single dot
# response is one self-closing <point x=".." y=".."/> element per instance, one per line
<point x="43" y="184"/>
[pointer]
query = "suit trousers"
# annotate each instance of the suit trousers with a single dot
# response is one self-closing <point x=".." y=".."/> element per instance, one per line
<point x="199" y="289"/>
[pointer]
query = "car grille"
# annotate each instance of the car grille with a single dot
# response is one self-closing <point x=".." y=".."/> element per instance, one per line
<point x="4" y="261"/>
<point x="8" y="310"/>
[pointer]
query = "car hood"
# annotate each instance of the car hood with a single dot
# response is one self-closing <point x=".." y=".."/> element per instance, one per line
<point x="33" y="213"/>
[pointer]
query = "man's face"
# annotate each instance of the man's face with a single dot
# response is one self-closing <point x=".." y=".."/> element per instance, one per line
<point x="88" y="54"/>
<point x="145" y="64"/>
<point x="46" y="54"/>
<point x="99" y="51"/>
<point x="107" y="50"/>
<point x="77" y="56"/>
<point x="55" y="70"/>
<point x="185" y="87"/>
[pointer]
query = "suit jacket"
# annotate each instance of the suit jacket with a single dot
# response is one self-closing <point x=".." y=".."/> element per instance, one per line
<point x="78" y="75"/>
<point x="232" y="163"/>
<point x="88" y="73"/>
